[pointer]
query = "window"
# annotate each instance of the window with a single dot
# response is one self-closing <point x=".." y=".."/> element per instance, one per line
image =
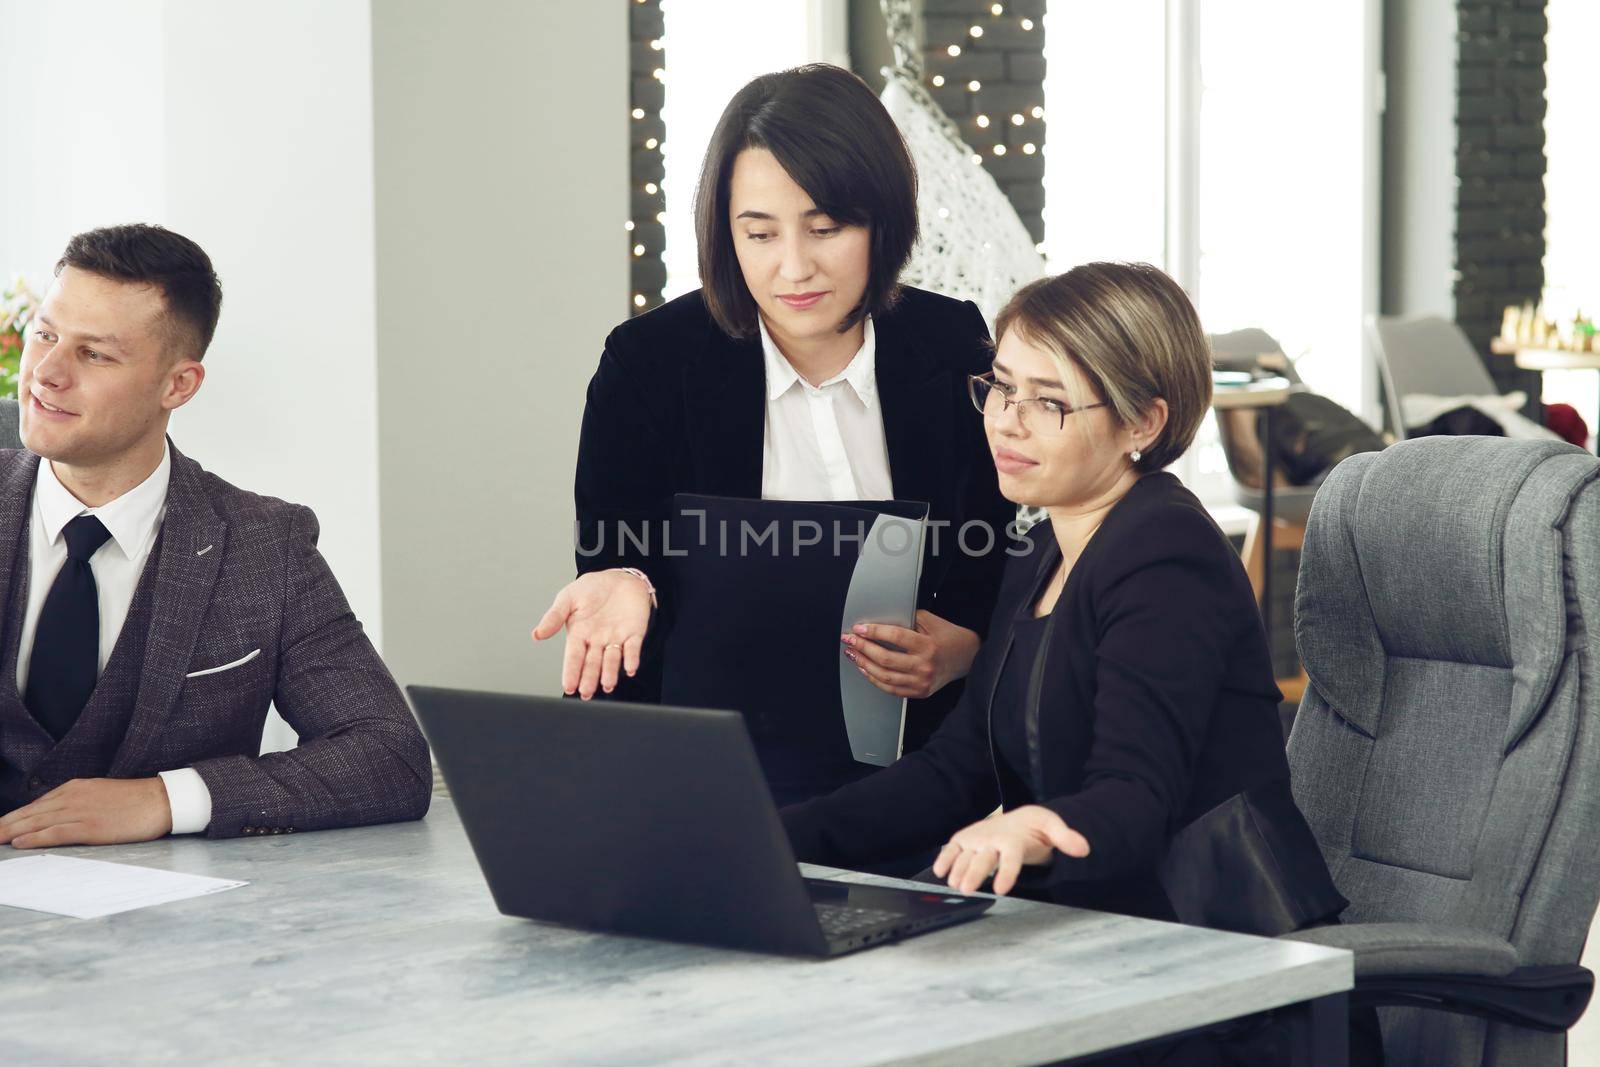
<point x="1572" y="234"/>
<point x="714" y="47"/>
<point x="1105" y="150"/>
<point x="1282" y="215"/>
<point x="1235" y="145"/>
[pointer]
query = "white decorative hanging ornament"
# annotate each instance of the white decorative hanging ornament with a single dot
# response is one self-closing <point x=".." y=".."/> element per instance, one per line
<point x="973" y="246"/>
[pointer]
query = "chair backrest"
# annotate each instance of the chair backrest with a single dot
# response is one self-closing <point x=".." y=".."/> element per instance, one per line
<point x="1447" y="750"/>
<point x="1245" y="350"/>
<point x="1238" y="430"/>
<point x="1425" y="354"/>
<point x="10" y="433"/>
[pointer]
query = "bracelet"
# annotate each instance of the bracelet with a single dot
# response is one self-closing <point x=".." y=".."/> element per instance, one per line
<point x="648" y="587"/>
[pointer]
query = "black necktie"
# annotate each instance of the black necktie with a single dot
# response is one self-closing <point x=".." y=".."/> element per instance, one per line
<point x="66" y="645"/>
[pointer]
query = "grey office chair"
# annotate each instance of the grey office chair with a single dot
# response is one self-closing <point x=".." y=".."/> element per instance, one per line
<point x="1447" y="751"/>
<point x="1425" y="354"/>
<point x="10" y="435"/>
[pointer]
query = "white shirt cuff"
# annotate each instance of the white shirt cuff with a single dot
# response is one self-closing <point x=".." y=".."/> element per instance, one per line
<point x="189" y="800"/>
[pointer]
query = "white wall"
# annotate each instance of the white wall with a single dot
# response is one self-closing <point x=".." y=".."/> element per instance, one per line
<point x="1419" y="144"/>
<point x="416" y="209"/>
<point x="268" y="161"/>
<point x="501" y="166"/>
<point x="82" y="144"/>
<point x="247" y="127"/>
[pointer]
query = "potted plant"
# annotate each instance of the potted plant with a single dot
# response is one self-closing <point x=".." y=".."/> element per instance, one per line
<point x="17" y="304"/>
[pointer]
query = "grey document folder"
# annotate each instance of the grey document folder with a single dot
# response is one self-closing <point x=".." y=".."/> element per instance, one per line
<point x="763" y="590"/>
<point x="883" y="588"/>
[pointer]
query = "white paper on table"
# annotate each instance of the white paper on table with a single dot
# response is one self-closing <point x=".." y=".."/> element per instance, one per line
<point x="89" y="889"/>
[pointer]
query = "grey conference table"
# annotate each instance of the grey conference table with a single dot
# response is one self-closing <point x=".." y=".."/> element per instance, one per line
<point x="382" y="945"/>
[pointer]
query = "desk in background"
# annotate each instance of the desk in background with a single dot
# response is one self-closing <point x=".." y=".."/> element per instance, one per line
<point x="1548" y="359"/>
<point x="382" y="945"/>
<point x="1530" y="358"/>
<point x="1265" y="395"/>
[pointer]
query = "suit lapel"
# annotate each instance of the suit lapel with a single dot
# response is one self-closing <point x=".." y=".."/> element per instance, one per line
<point x="915" y="394"/>
<point x="17" y="478"/>
<point x="726" y="406"/>
<point x="192" y="547"/>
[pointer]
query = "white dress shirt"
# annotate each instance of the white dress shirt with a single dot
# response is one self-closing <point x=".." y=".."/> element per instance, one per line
<point x="824" y="442"/>
<point x="133" y="519"/>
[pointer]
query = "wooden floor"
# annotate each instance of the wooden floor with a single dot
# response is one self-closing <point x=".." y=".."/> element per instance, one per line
<point x="1583" y="1043"/>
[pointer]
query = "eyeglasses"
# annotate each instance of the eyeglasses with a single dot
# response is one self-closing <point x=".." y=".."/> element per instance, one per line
<point x="1039" y="415"/>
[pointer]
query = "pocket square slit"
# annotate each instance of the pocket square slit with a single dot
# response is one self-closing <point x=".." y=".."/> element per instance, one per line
<point x="240" y="662"/>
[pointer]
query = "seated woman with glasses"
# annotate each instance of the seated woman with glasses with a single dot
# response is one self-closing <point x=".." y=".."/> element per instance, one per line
<point x="1122" y="711"/>
<point x="801" y="370"/>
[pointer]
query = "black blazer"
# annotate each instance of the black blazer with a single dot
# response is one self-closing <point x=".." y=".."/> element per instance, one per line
<point x="1152" y="729"/>
<point x="677" y="406"/>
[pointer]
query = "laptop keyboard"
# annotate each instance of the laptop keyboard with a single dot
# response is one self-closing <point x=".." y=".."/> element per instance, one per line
<point x="840" y="921"/>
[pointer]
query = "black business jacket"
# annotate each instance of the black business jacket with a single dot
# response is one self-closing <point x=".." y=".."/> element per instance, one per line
<point x="1152" y="729"/>
<point x="678" y="406"/>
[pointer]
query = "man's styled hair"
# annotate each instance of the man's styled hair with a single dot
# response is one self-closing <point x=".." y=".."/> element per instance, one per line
<point x="171" y="262"/>
<point x="831" y="134"/>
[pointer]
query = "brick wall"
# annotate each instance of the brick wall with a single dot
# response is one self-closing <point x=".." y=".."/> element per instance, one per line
<point x="1007" y="64"/>
<point x="646" y="238"/>
<point x="1500" y="165"/>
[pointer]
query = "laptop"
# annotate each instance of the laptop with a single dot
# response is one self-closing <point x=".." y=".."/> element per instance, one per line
<point x="647" y="820"/>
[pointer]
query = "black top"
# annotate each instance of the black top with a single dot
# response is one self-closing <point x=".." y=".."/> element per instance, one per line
<point x="1148" y="715"/>
<point x="677" y="406"/>
<point x="1010" y="696"/>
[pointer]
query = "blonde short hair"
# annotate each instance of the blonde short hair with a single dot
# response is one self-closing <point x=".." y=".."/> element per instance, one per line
<point x="1133" y="333"/>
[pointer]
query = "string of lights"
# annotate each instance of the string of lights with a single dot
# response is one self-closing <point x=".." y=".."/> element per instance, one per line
<point x="983" y="62"/>
<point x="646" y="235"/>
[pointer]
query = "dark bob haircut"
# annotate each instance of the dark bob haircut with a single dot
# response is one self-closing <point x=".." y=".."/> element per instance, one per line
<point x="834" y="138"/>
<point x="173" y="264"/>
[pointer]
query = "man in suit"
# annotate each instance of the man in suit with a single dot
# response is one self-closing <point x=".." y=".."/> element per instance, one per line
<point x="151" y="611"/>
<point x="8" y="422"/>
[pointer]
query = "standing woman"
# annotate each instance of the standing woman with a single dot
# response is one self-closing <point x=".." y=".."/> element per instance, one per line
<point x="802" y="370"/>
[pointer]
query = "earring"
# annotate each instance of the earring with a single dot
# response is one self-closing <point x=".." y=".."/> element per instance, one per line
<point x="1135" y="456"/>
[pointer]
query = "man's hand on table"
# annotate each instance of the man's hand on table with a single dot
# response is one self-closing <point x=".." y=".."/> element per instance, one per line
<point x="91" y="811"/>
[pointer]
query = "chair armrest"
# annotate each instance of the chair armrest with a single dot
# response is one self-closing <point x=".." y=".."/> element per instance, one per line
<point x="1550" y="998"/>
<point x="1415" y="948"/>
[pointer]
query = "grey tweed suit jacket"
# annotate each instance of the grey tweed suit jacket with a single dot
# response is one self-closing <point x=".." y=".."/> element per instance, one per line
<point x="238" y="580"/>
